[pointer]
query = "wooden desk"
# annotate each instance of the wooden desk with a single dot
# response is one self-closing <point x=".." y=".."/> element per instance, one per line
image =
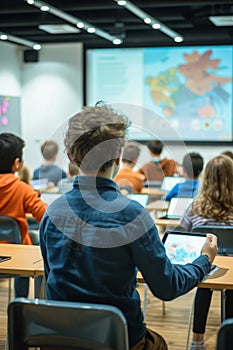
<point x="168" y="222"/>
<point x="223" y="278"/>
<point x="26" y="260"/>
<point x="153" y="192"/>
<point x="158" y="205"/>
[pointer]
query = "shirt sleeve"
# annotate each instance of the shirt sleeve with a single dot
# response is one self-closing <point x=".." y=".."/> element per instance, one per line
<point x="166" y="280"/>
<point x="171" y="194"/>
<point x="33" y="204"/>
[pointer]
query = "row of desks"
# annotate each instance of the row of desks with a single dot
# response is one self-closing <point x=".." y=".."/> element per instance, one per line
<point x="27" y="261"/>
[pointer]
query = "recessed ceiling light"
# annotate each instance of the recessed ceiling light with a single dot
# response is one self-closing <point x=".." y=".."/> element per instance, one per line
<point x="178" y="39"/>
<point x="44" y="8"/>
<point x="80" y="25"/>
<point x="36" y="47"/>
<point x="3" y="37"/>
<point x="91" y="30"/>
<point x="117" y="41"/>
<point x="30" y="2"/>
<point x="59" y="28"/>
<point x="156" y="26"/>
<point x="147" y="20"/>
<point x="121" y="2"/>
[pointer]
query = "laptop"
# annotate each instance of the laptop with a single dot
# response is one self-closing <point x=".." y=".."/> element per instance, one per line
<point x="141" y="198"/>
<point x="177" y="207"/>
<point x="184" y="247"/>
<point x="170" y="181"/>
<point x="39" y="184"/>
<point x="49" y="198"/>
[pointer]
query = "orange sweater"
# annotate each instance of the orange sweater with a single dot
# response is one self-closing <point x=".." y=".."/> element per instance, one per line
<point x="128" y="177"/>
<point x="17" y="199"/>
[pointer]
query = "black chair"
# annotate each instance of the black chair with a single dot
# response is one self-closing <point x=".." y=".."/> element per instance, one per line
<point x="224" y="234"/>
<point x="9" y="232"/>
<point x="225" y="335"/>
<point x="66" y="325"/>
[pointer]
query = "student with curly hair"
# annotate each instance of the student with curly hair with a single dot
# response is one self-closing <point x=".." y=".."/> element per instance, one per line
<point x="94" y="239"/>
<point x="213" y="206"/>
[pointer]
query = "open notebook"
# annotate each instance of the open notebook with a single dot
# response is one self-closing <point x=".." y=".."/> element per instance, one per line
<point x="177" y="207"/>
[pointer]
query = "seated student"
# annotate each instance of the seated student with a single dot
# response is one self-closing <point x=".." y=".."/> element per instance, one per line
<point x="66" y="184"/>
<point x="94" y="239"/>
<point x="49" y="170"/>
<point x="192" y="168"/>
<point x="158" y="168"/>
<point x="24" y="174"/>
<point x="213" y="206"/>
<point x="17" y="197"/>
<point x="228" y="153"/>
<point x="127" y="177"/>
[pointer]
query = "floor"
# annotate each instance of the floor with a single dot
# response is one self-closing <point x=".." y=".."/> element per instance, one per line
<point x="173" y="325"/>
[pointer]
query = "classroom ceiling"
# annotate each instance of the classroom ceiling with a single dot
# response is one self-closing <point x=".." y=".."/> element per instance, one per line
<point x="189" y="18"/>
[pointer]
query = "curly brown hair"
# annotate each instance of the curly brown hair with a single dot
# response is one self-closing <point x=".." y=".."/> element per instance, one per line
<point x="216" y="196"/>
<point x="94" y="137"/>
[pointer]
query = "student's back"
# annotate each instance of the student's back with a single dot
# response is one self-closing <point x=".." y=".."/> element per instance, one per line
<point x="49" y="170"/>
<point x="192" y="166"/>
<point x="158" y="168"/>
<point x="17" y="197"/>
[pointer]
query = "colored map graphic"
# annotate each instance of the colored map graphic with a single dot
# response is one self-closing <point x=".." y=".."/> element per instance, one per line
<point x="192" y="88"/>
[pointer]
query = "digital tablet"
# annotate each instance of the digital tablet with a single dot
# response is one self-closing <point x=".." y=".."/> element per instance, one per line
<point x="4" y="258"/>
<point x="183" y="247"/>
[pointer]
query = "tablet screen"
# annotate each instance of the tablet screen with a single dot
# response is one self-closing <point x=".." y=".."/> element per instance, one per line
<point x="183" y="247"/>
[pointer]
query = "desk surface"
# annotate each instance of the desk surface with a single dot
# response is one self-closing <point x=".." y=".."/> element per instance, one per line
<point x="222" y="279"/>
<point x="153" y="191"/>
<point x="25" y="260"/>
<point x="168" y="222"/>
<point x="158" y="205"/>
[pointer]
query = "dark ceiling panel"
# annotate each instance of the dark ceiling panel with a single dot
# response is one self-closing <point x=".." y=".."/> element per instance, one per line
<point x="189" y="18"/>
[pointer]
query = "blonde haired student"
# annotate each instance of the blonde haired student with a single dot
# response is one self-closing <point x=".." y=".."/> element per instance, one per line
<point x="94" y="239"/>
<point x="213" y="206"/>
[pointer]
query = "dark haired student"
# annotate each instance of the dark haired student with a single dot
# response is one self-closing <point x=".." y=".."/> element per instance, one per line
<point x="17" y="197"/>
<point x="192" y="166"/>
<point x="94" y="239"/>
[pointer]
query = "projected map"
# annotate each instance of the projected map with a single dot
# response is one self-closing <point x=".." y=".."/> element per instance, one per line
<point x="183" y="93"/>
<point x="192" y="88"/>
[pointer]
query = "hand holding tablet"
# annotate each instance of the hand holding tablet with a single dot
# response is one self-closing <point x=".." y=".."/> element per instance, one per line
<point x="210" y="247"/>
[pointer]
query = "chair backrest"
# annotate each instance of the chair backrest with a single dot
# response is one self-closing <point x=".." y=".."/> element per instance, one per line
<point x="224" y="234"/>
<point x="9" y="230"/>
<point x="68" y="325"/>
<point x="225" y="335"/>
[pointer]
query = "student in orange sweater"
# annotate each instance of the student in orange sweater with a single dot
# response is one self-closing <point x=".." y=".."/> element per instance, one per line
<point x="158" y="167"/>
<point x="128" y="178"/>
<point x="17" y="197"/>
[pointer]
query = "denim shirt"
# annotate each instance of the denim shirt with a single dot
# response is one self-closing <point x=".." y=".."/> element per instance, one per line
<point x="94" y="240"/>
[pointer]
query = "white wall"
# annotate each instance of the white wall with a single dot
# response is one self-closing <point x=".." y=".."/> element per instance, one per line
<point x="51" y="93"/>
<point x="10" y="69"/>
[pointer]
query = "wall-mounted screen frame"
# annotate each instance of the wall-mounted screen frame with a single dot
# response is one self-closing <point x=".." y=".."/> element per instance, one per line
<point x="177" y="94"/>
